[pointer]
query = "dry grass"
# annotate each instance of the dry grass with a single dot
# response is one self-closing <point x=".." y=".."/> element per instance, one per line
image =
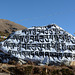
<point x="9" y="26"/>
<point x="37" y="70"/>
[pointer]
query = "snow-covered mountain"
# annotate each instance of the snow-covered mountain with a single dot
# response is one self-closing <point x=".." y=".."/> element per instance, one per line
<point x="45" y="44"/>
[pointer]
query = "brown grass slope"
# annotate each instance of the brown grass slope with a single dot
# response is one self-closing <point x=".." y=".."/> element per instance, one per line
<point x="36" y="70"/>
<point x="9" y="26"/>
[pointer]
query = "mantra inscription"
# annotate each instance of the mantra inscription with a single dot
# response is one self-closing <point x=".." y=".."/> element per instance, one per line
<point x="43" y="41"/>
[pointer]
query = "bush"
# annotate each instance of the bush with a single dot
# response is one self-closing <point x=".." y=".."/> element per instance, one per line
<point x="36" y="70"/>
<point x="28" y="70"/>
<point x="66" y="72"/>
<point x="44" y="71"/>
<point x="12" y="62"/>
<point x="21" y="70"/>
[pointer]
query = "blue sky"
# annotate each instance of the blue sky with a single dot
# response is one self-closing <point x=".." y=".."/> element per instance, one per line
<point x="40" y="13"/>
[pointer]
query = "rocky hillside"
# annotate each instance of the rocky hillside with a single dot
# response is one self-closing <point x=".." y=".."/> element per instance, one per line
<point x="9" y="26"/>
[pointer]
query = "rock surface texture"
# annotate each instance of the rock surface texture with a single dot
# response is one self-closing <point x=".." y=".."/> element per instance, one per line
<point x="45" y="44"/>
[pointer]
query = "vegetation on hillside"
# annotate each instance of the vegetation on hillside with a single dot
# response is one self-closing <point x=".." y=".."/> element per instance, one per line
<point x="9" y="26"/>
<point x="37" y="70"/>
<point x="3" y="34"/>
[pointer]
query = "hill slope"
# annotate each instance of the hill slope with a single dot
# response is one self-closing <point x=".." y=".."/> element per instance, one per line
<point x="9" y="26"/>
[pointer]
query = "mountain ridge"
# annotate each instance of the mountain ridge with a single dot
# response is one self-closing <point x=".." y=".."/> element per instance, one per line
<point x="9" y="26"/>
